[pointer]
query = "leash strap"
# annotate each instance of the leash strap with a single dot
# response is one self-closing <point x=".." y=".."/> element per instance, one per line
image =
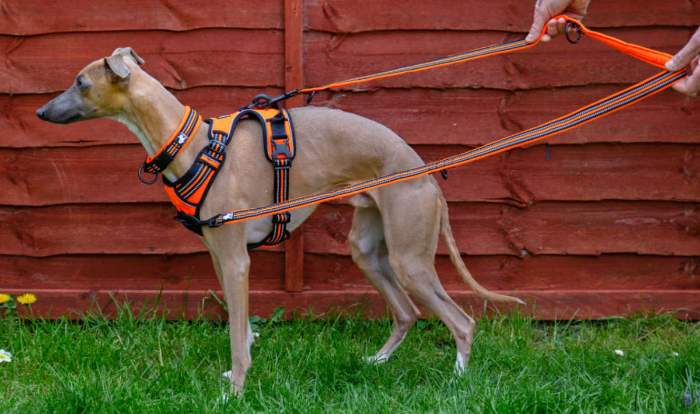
<point x="176" y="142"/>
<point x="589" y="113"/>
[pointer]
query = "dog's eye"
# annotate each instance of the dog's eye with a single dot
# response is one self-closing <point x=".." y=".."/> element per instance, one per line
<point x="81" y="83"/>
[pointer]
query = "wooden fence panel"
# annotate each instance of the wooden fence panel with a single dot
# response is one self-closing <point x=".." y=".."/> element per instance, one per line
<point x="604" y="220"/>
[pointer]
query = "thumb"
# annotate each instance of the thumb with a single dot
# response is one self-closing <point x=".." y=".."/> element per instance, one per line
<point x="538" y="23"/>
<point x="685" y="55"/>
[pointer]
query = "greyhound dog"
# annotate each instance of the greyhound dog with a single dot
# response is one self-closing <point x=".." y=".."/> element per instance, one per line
<point x="395" y="229"/>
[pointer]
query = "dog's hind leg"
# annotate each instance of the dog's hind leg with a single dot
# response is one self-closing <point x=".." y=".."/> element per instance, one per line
<point x="411" y="214"/>
<point x="370" y="254"/>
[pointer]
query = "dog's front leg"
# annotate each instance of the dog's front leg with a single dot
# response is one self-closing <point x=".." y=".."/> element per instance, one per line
<point x="232" y="261"/>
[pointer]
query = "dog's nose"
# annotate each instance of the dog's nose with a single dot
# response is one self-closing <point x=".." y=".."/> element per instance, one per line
<point x="41" y="113"/>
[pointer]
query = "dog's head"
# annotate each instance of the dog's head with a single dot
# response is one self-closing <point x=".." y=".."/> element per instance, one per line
<point x="100" y="90"/>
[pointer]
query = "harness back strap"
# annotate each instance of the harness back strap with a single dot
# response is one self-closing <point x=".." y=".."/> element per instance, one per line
<point x="280" y="149"/>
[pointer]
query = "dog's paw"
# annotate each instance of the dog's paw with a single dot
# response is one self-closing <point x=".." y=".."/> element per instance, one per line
<point x="224" y="398"/>
<point x="460" y="365"/>
<point x="376" y="359"/>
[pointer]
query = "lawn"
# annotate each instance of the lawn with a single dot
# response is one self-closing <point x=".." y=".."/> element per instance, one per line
<point x="136" y="365"/>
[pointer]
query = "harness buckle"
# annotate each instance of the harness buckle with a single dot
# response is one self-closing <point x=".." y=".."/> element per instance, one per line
<point x="216" y="221"/>
<point x="280" y="148"/>
<point x="283" y="218"/>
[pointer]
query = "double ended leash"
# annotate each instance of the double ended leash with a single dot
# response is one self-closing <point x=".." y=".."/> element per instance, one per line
<point x="589" y="113"/>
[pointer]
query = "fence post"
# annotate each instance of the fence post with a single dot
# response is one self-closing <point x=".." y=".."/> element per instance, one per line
<point x="294" y="78"/>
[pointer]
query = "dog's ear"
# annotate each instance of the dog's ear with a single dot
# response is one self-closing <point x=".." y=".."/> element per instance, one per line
<point x="116" y="68"/>
<point x="128" y="51"/>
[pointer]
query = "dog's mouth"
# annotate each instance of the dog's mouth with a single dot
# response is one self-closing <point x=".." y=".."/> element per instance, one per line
<point x="66" y="108"/>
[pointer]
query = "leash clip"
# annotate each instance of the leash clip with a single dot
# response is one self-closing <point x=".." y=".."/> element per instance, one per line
<point x="570" y="29"/>
<point x="219" y="220"/>
<point x="143" y="179"/>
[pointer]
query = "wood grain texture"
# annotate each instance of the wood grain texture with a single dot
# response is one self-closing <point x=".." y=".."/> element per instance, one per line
<point x="593" y="172"/>
<point x="471" y="117"/>
<point x="179" y="60"/>
<point x="664" y="228"/>
<point x="562" y="305"/>
<point x="545" y="228"/>
<point x="338" y="273"/>
<point x="294" y="78"/>
<point x="23" y="129"/>
<point x="602" y="222"/>
<point x="350" y="16"/>
<point x="420" y="116"/>
<point x="29" y="17"/>
<point x="331" y="58"/>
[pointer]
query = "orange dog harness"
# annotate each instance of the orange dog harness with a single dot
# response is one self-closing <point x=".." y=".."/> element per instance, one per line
<point x="189" y="192"/>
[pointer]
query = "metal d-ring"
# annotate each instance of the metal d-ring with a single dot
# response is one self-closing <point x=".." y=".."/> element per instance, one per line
<point x="569" y="29"/>
<point x="142" y="178"/>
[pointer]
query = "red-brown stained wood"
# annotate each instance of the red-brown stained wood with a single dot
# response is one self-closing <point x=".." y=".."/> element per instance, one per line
<point x="348" y="16"/>
<point x="420" y="116"/>
<point x="470" y="117"/>
<point x="339" y="273"/>
<point x="155" y="272"/>
<point x="293" y="79"/>
<point x="35" y="177"/>
<point x="73" y="303"/>
<point x="544" y="228"/>
<point x="541" y="216"/>
<point x="23" y="129"/>
<point x="181" y="60"/>
<point x="546" y="273"/>
<point x="665" y="228"/>
<point x="331" y="58"/>
<point x="31" y="17"/>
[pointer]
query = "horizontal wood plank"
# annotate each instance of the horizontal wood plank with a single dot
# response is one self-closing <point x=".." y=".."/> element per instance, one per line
<point x="36" y="177"/>
<point x="24" y="129"/>
<point x="29" y="17"/>
<point x="665" y="228"/>
<point x="344" y="16"/>
<point x="471" y="117"/>
<point x="179" y="60"/>
<point x="564" y="305"/>
<point x="420" y="116"/>
<point x="338" y="273"/>
<point x="329" y="58"/>
<point x="350" y="16"/>
<point x="545" y="228"/>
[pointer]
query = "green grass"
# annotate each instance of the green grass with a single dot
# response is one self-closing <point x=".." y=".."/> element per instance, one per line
<point x="142" y="366"/>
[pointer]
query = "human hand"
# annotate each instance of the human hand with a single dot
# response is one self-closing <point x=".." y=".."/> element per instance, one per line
<point x="546" y="9"/>
<point x="688" y="56"/>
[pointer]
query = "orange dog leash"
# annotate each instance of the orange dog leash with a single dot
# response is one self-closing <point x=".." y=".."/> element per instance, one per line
<point x="582" y="116"/>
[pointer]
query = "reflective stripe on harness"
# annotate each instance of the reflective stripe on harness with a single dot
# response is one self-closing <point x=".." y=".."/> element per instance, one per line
<point x="589" y="113"/>
<point x="189" y="192"/>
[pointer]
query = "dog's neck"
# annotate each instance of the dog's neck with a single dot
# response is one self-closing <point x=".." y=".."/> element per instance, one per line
<point x="152" y="114"/>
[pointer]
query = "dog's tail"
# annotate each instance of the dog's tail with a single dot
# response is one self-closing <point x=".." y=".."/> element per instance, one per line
<point x="458" y="263"/>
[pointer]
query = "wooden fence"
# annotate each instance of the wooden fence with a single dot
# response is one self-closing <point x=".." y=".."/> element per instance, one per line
<point x="601" y="221"/>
